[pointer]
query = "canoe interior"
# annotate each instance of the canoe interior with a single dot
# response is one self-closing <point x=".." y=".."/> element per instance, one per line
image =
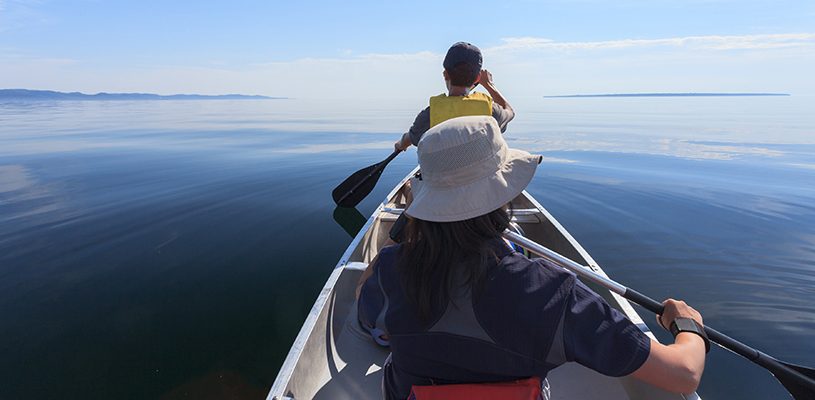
<point x="332" y="358"/>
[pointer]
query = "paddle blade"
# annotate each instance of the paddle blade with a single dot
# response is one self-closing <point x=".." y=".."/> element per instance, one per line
<point x="352" y="190"/>
<point x="798" y="389"/>
<point x="349" y="219"/>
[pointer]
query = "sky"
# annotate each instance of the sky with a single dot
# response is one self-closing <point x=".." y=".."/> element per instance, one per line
<point x="386" y="49"/>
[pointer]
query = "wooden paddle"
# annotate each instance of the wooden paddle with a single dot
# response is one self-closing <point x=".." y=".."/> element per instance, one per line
<point x="354" y="188"/>
<point x="798" y="380"/>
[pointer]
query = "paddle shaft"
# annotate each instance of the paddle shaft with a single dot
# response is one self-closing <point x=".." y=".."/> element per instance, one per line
<point x="758" y="357"/>
<point x="373" y="172"/>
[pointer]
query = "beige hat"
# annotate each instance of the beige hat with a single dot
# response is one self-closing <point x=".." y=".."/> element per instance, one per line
<point x="467" y="170"/>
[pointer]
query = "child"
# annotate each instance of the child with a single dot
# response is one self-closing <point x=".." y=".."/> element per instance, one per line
<point x="462" y="73"/>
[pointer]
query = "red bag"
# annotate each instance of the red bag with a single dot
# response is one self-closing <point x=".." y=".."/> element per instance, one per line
<point x="524" y="389"/>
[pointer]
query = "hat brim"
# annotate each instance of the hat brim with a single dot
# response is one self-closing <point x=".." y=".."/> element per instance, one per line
<point x="459" y="203"/>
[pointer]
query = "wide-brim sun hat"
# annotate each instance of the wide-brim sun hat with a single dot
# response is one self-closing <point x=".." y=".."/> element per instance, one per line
<point x="467" y="170"/>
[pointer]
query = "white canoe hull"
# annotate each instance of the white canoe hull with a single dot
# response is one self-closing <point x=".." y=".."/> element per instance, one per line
<point x="332" y="358"/>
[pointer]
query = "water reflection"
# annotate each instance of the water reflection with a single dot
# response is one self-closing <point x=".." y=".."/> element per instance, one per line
<point x="687" y="128"/>
<point x="350" y="219"/>
<point x="14" y="177"/>
<point x="153" y="248"/>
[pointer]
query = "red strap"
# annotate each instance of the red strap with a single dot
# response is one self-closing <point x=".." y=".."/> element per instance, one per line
<point x="525" y="389"/>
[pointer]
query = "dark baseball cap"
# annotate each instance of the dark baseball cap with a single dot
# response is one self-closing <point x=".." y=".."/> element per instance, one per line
<point x="462" y="52"/>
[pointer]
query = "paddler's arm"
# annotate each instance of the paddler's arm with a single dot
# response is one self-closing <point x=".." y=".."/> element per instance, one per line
<point x="420" y="125"/>
<point x="485" y="79"/>
<point x="676" y="367"/>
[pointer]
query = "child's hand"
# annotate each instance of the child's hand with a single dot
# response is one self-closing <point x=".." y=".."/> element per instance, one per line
<point x="485" y="78"/>
<point x="400" y="144"/>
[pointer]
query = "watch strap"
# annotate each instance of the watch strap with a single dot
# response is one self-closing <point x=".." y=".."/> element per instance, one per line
<point x="684" y="324"/>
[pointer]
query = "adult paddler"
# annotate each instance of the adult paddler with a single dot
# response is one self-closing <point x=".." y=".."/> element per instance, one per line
<point x="462" y="73"/>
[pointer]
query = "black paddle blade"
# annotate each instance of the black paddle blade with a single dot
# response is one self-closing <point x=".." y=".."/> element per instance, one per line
<point x="350" y="219"/>
<point x="352" y="190"/>
<point x="798" y="389"/>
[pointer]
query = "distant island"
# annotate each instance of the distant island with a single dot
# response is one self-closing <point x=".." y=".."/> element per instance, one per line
<point x="25" y="94"/>
<point x="668" y="95"/>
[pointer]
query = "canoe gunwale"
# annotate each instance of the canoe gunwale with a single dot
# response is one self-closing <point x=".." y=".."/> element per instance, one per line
<point x="287" y="369"/>
<point x="625" y="305"/>
<point x="382" y="207"/>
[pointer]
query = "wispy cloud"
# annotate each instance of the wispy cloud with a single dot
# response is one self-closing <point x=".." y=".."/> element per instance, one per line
<point x="15" y="14"/>
<point x="524" y="66"/>
<point x="422" y="55"/>
<point x="10" y="55"/>
<point x="712" y="42"/>
<point x="351" y="58"/>
<point x="803" y="165"/>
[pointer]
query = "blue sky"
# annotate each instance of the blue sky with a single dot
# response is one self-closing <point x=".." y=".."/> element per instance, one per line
<point x="351" y="49"/>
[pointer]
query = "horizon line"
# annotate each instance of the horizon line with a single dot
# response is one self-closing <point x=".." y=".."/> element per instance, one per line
<point x="671" y="94"/>
<point x="43" y="93"/>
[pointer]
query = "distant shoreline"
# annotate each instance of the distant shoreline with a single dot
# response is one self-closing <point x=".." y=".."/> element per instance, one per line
<point x="669" y="95"/>
<point x="25" y="94"/>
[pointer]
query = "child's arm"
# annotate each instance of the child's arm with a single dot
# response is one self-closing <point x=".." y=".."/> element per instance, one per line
<point x="485" y="79"/>
<point x="420" y="125"/>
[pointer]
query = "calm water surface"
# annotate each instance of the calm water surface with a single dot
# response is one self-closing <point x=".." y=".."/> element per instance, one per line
<point x="172" y="249"/>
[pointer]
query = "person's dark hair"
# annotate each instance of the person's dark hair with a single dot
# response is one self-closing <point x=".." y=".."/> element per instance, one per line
<point x="463" y="74"/>
<point x="435" y="255"/>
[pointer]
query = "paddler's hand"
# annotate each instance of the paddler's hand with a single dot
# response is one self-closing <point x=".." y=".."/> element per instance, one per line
<point x="485" y="78"/>
<point x="401" y="144"/>
<point x="675" y="309"/>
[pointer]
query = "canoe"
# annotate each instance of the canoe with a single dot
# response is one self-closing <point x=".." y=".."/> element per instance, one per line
<point x="333" y="358"/>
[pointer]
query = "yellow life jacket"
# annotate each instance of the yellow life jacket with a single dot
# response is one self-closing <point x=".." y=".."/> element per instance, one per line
<point x="444" y="107"/>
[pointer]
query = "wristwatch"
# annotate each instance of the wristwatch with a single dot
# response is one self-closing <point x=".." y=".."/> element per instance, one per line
<point x="683" y="324"/>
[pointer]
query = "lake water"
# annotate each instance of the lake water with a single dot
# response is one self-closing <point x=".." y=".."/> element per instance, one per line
<point x="172" y="249"/>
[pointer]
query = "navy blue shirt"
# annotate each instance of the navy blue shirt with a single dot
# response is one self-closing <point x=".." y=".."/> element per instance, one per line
<point x="528" y="318"/>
